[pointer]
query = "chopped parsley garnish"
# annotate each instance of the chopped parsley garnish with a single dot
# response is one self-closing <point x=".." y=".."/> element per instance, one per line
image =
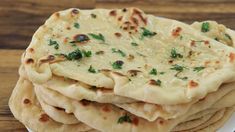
<point x="53" y="43"/>
<point x="181" y="37"/>
<point x="87" y="53"/>
<point x="97" y="36"/>
<point x="205" y="27"/>
<point x="175" y="55"/>
<point x="80" y="38"/>
<point x="76" y="25"/>
<point x="153" y="72"/>
<point x="178" y="68"/>
<point x="117" y="64"/>
<point x="134" y="44"/>
<point x="119" y="52"/>
<point x="161" y="73"/>
<point x="75" y="55"/>
<point x="91" y="69"/>
<point x="93" y="15"/>
<point x="182" y="78"/>
<point x="147" y="33"/>
<point x="124" y="118"/>
<point x="197" y="69"/>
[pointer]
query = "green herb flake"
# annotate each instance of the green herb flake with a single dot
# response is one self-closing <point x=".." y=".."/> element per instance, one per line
<point x="117" y="64"/>
<point x="134" y="44"/>
<point x="178" y="68"/>
<point x="124" y="118"/>
<point x="161" y="73"/>
<point x="97" y="36"/>
<point x="147" y="33"/>
<point x="76" y="25"/>
<point x="87" y="53"/>
<point x="93" y="15"/>
<point x="216" y="39"/>
<point x="75" y="55"/>
<point x="205" y="27"/>
<point x="197" y="69"/>
<point x="119" y="52"/>
<point x="53" y="43"/>
<point x="182" y="78"/>
<point x="175" y="55"/>
<point x="153" y="72"/>
<point x="154" y="82"/>
<point x="91" y="69"/>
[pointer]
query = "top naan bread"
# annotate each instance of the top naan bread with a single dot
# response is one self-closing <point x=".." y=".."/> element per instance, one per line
<point x="151" y="59"/>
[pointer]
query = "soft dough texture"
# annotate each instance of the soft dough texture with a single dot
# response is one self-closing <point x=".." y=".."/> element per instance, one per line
<point x="117" y="30"/>
<point x="25" y="108"/>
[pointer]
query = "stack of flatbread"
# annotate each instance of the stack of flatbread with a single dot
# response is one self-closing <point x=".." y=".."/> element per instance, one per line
<point x="123" y="70"/>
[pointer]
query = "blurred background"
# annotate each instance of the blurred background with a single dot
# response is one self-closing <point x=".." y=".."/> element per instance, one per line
<point x="19" y="19"/>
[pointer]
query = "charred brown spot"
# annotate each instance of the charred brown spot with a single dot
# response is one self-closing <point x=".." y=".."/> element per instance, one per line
<point x="29" y="61"/>
<point x="202" y="99"/>
<point x="193" y="42"/>
<point x="31" y="50"/>
<point x="80" y="38"/>
<point x="217" y="62"/>
<point x="118" y="34"/>
<point x="48" y="59"/>
<point x="133" y="72"/>
<point x="190" y="53"/>
<point x="135" y="20"/>
<point x="106" y="108"/>
<point x="161" y="121"/>
<point x="113" y="13"/>
<point x="65" y="40"/>
<point x="57" y="14"/>
<point x="68" y="28"/>
<point x="130" y="57"/>
<point x="170" y="61"/>
<point x="85" y="102"/>
<point x="135" y="121"/>
<point x="105" y="70"/>
<point x="120" y="18"/>
<point x="58" y="108"/>
<point x="193" y="84"/>
<point x="231" y="57"/>
<point x="206" y="42"/>
<point x="139" y="14"/>
<point x="132" y="27"/>
<point x="44" y="118"/>
<point x="152" y="82"/>
<point x="124" y="10"/>
<point x="176" y="32"/>
<point x="125" y="28"/>
<point x="99" y="52"/>
<point x="75" y="11"/>
<point x="26" y="101"/>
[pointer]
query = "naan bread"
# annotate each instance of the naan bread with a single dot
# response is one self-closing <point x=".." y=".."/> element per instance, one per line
<point x="25" y="108"/>
<point x="216" y="31"/>
<point x="77" y="90"/>
<point x="56" y="113"/>
<point x="192" y="124"/>
<point x="127" y="45"/>
<point x="104" y="117"/>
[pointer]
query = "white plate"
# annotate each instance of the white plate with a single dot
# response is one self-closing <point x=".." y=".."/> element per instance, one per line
<point x="229" y="126"/>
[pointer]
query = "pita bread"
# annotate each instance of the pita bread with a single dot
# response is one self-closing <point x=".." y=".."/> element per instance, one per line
<point x="26" y="109"/>
<point x="153" y="51"/>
